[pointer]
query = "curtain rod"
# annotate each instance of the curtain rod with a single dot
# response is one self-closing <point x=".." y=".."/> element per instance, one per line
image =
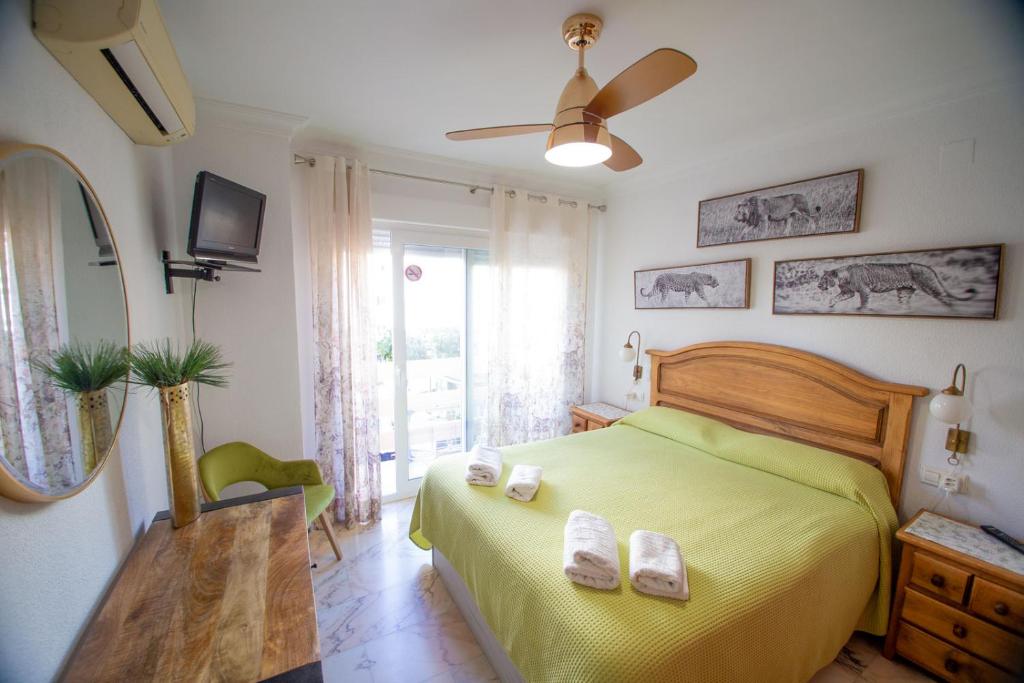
<point x="310" y="161"/>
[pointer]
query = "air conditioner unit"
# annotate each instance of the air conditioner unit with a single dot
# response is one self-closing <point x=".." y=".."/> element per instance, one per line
<point x="120" y="52"/>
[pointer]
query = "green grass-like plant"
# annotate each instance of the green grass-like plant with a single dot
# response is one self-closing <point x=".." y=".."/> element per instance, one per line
<point x="78" y="367"/>
<point x="159" y="364"/>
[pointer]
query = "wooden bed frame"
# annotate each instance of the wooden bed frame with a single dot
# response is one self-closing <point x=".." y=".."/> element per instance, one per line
<point x="760" y="388"/>
<point x="792" y="394"/>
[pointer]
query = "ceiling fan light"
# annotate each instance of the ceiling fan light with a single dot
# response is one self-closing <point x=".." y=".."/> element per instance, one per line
<point x="578" y="144"/>
<point x="578" y="154"/>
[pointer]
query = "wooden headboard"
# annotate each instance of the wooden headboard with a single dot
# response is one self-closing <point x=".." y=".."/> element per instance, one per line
<point x="792" y="394"/>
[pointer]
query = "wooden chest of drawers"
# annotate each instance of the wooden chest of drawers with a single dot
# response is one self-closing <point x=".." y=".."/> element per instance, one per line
<point x="957" y="616"/>
<point x="591" y="416"/>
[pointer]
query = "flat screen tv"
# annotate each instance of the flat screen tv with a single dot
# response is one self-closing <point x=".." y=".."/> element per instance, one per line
<point x="227" y="219"/>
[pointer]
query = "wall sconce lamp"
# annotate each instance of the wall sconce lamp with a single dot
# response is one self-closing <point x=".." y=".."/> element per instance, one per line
<point x="952" y="407"/>
<point x="627" y="353"/>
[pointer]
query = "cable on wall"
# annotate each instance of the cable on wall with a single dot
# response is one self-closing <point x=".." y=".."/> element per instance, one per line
<point x="199" y="406"/>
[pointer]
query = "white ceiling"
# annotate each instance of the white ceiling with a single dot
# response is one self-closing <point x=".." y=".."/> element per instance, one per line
<point x="399" y="73"/>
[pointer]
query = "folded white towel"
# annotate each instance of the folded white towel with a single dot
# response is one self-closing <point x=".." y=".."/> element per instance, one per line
<point x="590" y="555"/>
<point x="523" y="482"/>
<point x="484" y="466"/>
<point x="655" y="565"/>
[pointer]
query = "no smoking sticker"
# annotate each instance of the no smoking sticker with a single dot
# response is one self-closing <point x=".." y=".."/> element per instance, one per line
<point x="413" y="273"/>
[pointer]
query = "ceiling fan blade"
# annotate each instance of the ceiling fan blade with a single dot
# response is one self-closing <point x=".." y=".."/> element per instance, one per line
<point x="646" y="78"/>
<point x="623" y="156"/>
<point x="498" y="131"/>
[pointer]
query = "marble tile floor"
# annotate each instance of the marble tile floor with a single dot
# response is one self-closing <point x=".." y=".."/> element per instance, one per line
<point x="385" y="617"/>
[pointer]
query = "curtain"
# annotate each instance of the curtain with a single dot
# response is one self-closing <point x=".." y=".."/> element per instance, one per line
<point x="34" y="431"/>
<point x="344" y="364"/>
<point x="539" y="285"/>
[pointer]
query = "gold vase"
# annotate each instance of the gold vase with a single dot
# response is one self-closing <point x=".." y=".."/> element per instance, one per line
<point x="94" y="426"/>
<point x="182" y="480"/>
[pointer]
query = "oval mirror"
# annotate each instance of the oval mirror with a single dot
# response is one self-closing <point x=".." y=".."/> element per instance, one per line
<point x="63" y="327"/>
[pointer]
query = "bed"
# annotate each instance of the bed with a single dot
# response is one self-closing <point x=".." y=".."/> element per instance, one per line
<point x="776" y="470"/>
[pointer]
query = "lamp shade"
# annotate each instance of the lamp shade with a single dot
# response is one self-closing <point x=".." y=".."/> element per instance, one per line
<point x="627" y="354"/>
<point x="579" y="144"/>
<point x="950" y="408"/>
<point x="577" y="154"/>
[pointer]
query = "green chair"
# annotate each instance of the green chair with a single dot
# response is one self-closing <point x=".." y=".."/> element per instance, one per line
<point x="238" y="461"/>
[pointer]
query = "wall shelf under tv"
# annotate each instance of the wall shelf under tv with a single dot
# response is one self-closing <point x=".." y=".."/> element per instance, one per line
<point x="197" y="269"/>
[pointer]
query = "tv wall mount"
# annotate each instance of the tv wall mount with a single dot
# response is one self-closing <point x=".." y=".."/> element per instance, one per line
<point x="197" y="269"/>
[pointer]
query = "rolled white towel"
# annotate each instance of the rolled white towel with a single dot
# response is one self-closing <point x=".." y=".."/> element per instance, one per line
<point x="590" y="555"/>
<point x="483" y="468"/>
<point x="523" y="482"/>
<point x="655" y="565"/>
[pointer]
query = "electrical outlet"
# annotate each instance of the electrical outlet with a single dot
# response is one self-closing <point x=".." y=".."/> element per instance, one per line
<point x="952" y="483"/>
<point x="636" y="395"/>
<point x="930" y="476"/>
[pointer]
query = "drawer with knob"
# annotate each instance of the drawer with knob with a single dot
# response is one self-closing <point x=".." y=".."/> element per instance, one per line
<point x="579" y="424"/>
<point x="964" y="631"/>
<point x="998" y="604"/>
<point x="938" y="577"/>
<point x="945" y="660"/>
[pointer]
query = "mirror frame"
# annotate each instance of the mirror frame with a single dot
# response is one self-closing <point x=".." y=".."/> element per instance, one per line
<point x="10" y="485"/>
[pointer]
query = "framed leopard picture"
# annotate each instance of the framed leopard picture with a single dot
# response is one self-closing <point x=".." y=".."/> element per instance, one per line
<point x="956" y="282"/>
<point x="722" y="284"/>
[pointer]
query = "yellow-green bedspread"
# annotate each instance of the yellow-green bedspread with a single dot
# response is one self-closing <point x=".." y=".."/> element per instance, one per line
<point x="785" y="548"/>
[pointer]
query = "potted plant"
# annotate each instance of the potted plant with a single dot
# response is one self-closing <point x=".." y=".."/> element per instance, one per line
<point x="87" y="371"/>
<point x="161" y="366"/>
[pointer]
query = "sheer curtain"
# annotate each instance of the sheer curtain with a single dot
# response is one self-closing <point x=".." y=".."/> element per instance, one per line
<point x="34" y="430"/>
<point x="345" y="389"/>
<point x="539" y="286"/>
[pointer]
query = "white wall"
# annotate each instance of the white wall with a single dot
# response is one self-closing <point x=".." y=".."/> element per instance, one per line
<point x="58" y="558"/>
<point x="913" y="198"/>
<point x="252" y="316"/>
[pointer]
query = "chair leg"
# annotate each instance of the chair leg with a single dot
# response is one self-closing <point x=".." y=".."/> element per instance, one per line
<point x="329" y="530"/>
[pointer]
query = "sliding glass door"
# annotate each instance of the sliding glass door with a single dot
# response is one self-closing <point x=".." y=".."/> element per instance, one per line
<point x="432" y="362"/>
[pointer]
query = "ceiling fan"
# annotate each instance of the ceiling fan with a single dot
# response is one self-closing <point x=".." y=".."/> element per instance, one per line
<point x="579" y="135"/>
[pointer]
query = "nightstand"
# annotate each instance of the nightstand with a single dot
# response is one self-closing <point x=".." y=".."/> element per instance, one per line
<point x="591" y="416"/>
<point x="959" y="605"/>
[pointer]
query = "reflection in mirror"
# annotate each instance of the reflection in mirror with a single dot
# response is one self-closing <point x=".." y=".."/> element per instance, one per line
<point x="64" y="327"/>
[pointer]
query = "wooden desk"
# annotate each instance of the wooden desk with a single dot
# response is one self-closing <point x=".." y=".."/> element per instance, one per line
<point x="226" y="598"/>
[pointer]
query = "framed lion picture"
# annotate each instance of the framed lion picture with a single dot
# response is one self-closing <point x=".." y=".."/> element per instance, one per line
<point x="722" y="284"/>
<point x="957" y="282"/>
<point x="818" y="206"/>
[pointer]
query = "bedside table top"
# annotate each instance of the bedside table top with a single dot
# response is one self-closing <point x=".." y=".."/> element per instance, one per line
<point x="605" y="410"/>
<point x="965" y="538"/>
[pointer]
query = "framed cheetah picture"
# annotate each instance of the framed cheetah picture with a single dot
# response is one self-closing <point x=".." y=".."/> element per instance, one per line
<point x="722" y="284"/>
<point x="827" y="205"/>
<point x="957" y="282"/>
